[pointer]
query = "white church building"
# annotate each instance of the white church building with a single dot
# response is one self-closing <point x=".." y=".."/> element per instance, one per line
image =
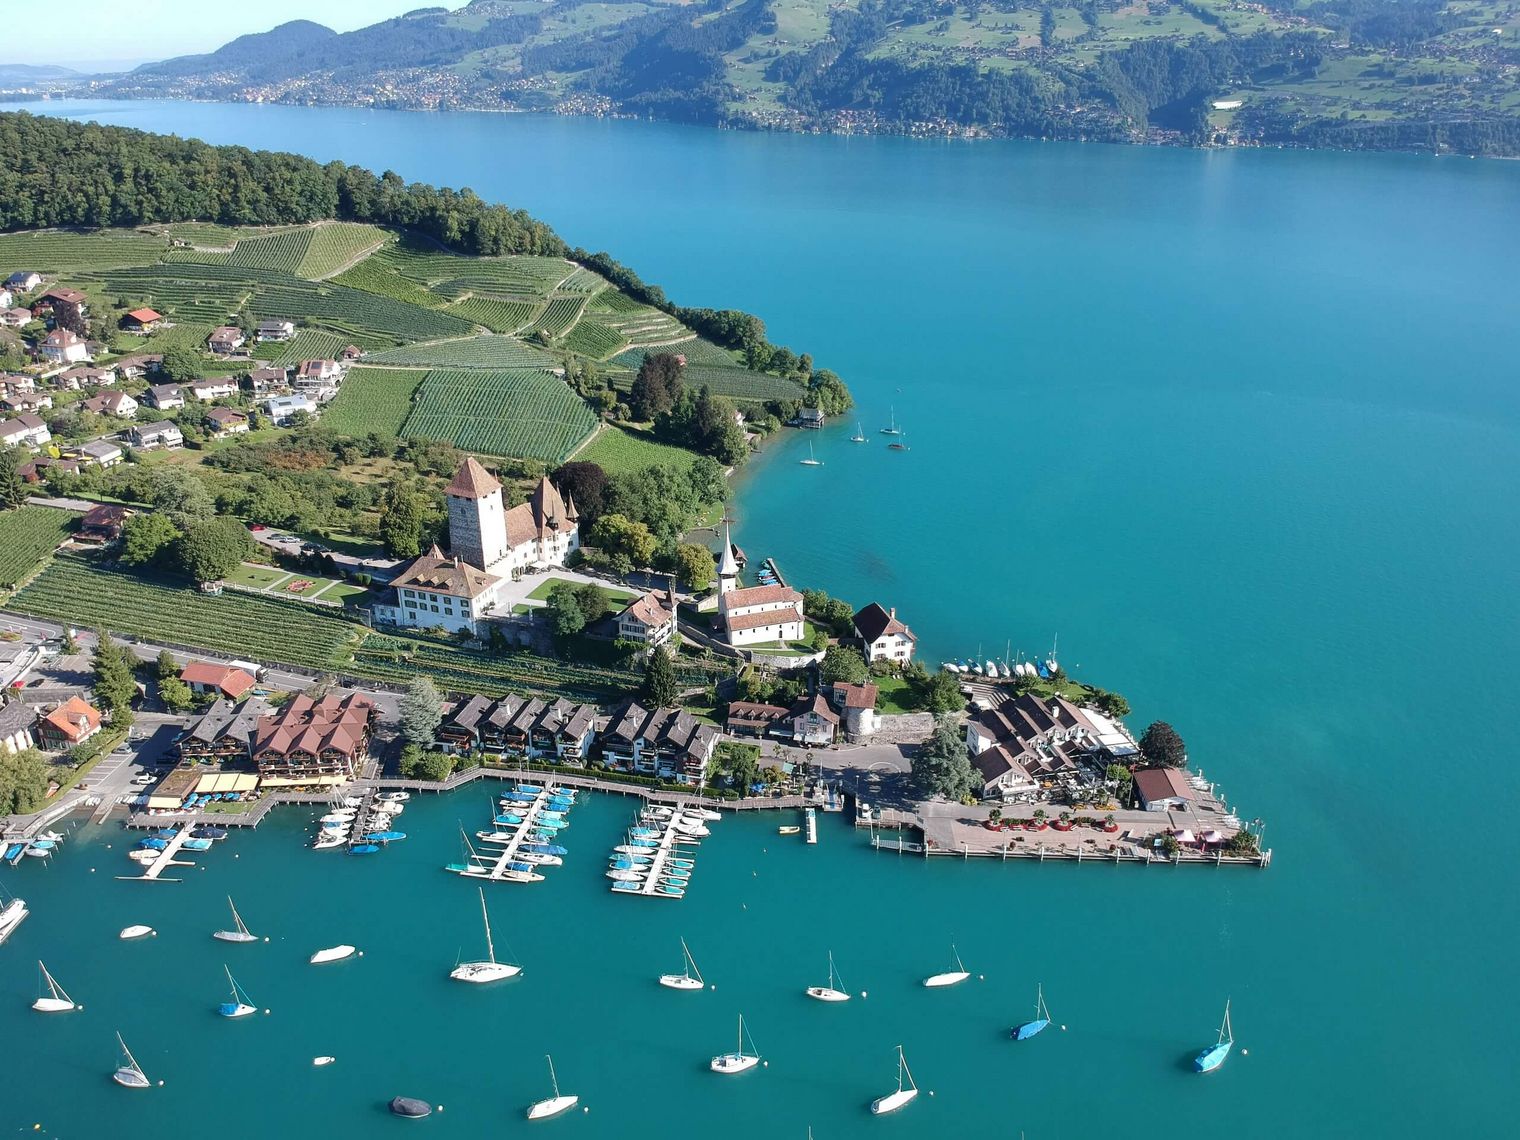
<point x="753" y="615"/>
<point x="488" y="545"/>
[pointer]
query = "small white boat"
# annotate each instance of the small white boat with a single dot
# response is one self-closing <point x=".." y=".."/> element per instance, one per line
<point x="789" y="829"/>
<point x="55" y="1000"/>
<point x="904" y="1094"/>
<point x="136" y="931"/>
<point x="319" y="1061"/>
<point x="685" y="979"/>
<point x="11" y="917"/>
<point x="737" y="1061"/>
<point x="394" y="797"/>
<point x="553" y="1105"/>
<point x="333" y="954"/>
<point x="330" y="839"/>
<point x="708" y="814"/>
<point x="241" y="1004"/>
<point x="834" y="991"/>
<point x="950" y="977"/>
<point x="130" y="1074"/>
<point x="490" y="970"/>
<point x="239" y="933"/>
<point x="812" y="460"/>
<point x="138" y="855"/>
<point x="539" y="859"/>
<point x="625" y="876"/>
<point x="342" y="816"/>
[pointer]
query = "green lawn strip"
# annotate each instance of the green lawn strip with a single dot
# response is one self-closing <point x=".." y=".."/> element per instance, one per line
<point x="541" y="592"/>
<point x="618" y="450"/>
<point x="257" y="577"/>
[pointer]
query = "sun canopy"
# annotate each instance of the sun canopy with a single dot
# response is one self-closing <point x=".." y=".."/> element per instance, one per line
<point x="1183" y="835"/>
<point x="216" y="782"/>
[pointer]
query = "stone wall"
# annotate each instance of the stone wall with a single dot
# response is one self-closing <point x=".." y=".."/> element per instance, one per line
<point x="902" y="728"/>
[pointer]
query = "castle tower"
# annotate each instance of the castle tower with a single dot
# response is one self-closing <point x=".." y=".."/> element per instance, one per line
<point x="477" y="520"/>
<point x="728" y="565"/>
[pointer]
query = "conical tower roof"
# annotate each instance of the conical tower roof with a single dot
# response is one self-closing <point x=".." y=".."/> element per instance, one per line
<point x="472" y="481"/>
<point x="728" y="565"/>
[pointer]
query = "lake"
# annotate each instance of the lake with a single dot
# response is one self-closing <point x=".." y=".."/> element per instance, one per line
<point x="1240" y="428"/>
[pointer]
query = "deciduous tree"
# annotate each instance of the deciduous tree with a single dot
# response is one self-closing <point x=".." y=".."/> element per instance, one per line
<point x="211" y="549"/>
<point x="147" y="538"/>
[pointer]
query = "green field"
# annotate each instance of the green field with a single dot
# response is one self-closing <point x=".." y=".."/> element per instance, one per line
<point x="617" y="449"/>
<point x="467" y="352"/>
<point x="498" y="316"/>
<point x="518" y="412"/>
<point x="54" y="251"/>
<point x="373" y="275"/>
<point x="373" y="399"/>
<point x="280" y="252"/>
<point x="308" y="344"/>
<point x="541" y="592"/>
<point x="27" y="536"/>
<point x="560" y="314"/>
<point x="594" y="340"/>
<point x="335" y="244"/>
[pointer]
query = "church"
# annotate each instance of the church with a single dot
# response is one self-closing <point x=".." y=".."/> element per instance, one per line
<point x="488" y="546"/>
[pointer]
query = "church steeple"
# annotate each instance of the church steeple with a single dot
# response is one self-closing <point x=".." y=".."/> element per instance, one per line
<point x="728" y="565"/>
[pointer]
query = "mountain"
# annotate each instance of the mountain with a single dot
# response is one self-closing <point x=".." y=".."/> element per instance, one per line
<point x="22" y="74"/>
<point x="1407" y="74"/>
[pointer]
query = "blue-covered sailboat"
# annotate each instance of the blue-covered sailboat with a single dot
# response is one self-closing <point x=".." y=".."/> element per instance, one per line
<point x="1038" y="1023"/>
<point x="1211" y="1058"/>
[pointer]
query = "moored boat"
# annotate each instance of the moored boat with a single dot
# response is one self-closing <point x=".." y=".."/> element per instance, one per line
<point x="333" y="954"/>
<point x="55" y="1000"/>
<point x="489" y="970"/>
<point x="241" y="1004"/>
<point x="1211" y="1058"/>
<point x="410" y="1107"/>
<point x="1037" y="1024"/>
<point x="552" y="1105"/>
<point x="834" y="991"/>
<point x="950" y="977"/>
<point x="685" y="979"/>
<point x="906" y="1089"/>
<point x="130" y="1075"/>
<point x="136" y="931"/>
<point x="737" y="1061"/>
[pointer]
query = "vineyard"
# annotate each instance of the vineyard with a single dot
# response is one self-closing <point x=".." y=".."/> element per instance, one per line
<point x="581" y="280"/>
<point x="561" y="313"/>
<point x="520" y="412"/>
<point x="611" y="301"/>
<point x="27" y="536"/>
<point x="617" y="451"/>
<point x="454" y="275"/>
<point x="209" y="234"/>
<point x="467" y="352"/>
<point x="372" y="275"/>
<point x="373" y="399"/>
<point x="460" y="670"/>
<point x="51" y="251"/>
<point x="725" y="380"/>
<point x="594" y="340"/>
<point x="279" y="252"/>
<point x="309" y="344"/>
<point x="498" y="316"/>
<point x="334" y="245"/>
<point x="648" y="327"/>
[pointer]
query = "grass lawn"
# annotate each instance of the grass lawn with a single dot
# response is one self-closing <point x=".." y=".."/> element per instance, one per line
<point x="891" y="694"/>
<point x="616" y="450"/>
<point x="341" y="592"/>
<point x="257" y="577"/>
<point x="541" y="592"/>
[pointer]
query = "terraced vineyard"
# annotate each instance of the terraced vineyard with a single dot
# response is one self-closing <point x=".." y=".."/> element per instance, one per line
<point x="52" y="251"/>
<point x="707" y="364"/>
<point x="309" y="344"/>
<point x="594" y="340"/>
<point x="27" y="536"/>
<point x="648" y="327"/>
<point x="696" y="351"/>
<point x="373" y="399"/>
<point x="280" y="252"/>
<point x="373" y="275"/>
<point x="498" y="316"/>
<point x="615" y="451"/>
<point x="454" y="275"/>
<point x="581" y="280"/>
<point x="561" y="313"/>
<point x="467" y="352"/>
<point x="334" y="244"/>
<point x="611" y="301"/>
<point x="519" y="412"/>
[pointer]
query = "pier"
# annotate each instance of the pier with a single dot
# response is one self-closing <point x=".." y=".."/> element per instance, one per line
<point x="165" y="860"/>
<point x="810" y="825"/>
<point x="662" y="877"/>
<point x="497" y="865"/>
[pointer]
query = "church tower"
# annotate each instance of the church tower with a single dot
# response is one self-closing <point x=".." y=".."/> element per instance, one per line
<point x="728" y="565"/>
<point x="477" y="520"/>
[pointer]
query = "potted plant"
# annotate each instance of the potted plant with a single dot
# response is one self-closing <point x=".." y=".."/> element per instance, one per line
<point x="994" y="818"/>
<point x="1109" y="825"/>
<point x="1038" y="822"/>
<point x="1064" y="822"/>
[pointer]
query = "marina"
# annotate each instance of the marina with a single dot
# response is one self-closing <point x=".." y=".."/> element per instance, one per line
<point x="524" y="825"/>
<point x="655" y="859"/>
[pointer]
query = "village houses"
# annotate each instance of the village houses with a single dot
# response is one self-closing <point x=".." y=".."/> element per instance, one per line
<point x="883" y="637"/>
<point x="668" y="743"/>
<point x="276" y="330"/>
<point x="162" y="433"/>
<point x="216" y="388"/>
<point x="63" y="346"/>
<point x="69" y="725"/>
<point x="23" y="281"/>
<point x="226" y="421"/>
<point x="112" y="404"/>
<point x="283" y="409"/>
<point x="24" y="431"/>
<point x="224" y="340"/>
<point x="142" y="320"/>
<point x="222" y="680"/>
<point x="164" y="397"/>
<point x="520" y="728"/>
<point x="649" y="620"/>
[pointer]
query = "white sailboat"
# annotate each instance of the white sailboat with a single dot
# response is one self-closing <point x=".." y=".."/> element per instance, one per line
<point x="333" y="954"/>
<point x="130" y="1075"/>
<point x="490" y="970"/>
<point x="834" y="991"/>
<point x="137" y="931"/>
<point x="684" y="980"/>
<point x="11" y="917"/>
<point x="891" y="428"/>
<point x="905" y="1091"/>
<point x="241" y="1004"/>
<point x="554" y="1105"/>
<point x="812" y="460"/>
<point x="860" y="434"/>
<point x="239" y="933"/>
<point x="55" y="1001"/>
<point x="737" y="1061"/>
<point x="950" y="977"/>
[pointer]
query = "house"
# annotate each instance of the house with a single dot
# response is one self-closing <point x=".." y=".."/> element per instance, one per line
<point x="217" y="388"/>
<point x="7" y="298"/>
<point x="283" y="408"/>
<point x="751" y="718"/>
<point x="226" y="421"/>
<point x="26" y="402"/>
<point x="276" y="330"/>
<point x="24" y="431"/>
<point x="117" y="404"/>
<point x="228" y="338"/>
<point x="1163" y="789"/>
<point x="16" y="318"/>
<point x="440" y="590"/>
<point x="34" y="470"/>
<point x="668" y="743"/>
<point x="520" y="728"/>
<point x="75" y="379"/>
<point x="810" y="418"/>
<point x="23" y="281"/>
<point x="211" y="677"/>
<point x="103" y="523"/>
<point x="309" y="741"/>
<point x="16" y="720"/>
<point x="63" y="346"/>
<point x="223" y="734"/>
<point x="264" y="379"/>
<point x="61" y="300"/>
<point x="15" y="383"/>
<point x="101" y="452"/>
<point x="165" y="397"/>
<point x="649" y="620"/>
<point x="811" y="722"/>
<point x="350" y="354"/>
<point x="318" y="373"/>
<point x="856" y="706"/>
<point x="1048" y="737"/>
<point x="883" y="637"/>
<point x="139" y="365"/>
<point x="758" y="614"/>
<point x="68" y="725"/>
<point x="159" y="434"/>
<point x="142" y="320"/>
<point x="1003" y="777"/>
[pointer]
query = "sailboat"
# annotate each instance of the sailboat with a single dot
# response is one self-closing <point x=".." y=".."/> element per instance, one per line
<point x="11" y="916"/>
<point x="950" y="977"/>
<point x="240" y="934"/>
<point x="490" y="970"/>
<point x="900" y="443"/>
<point x="834" y="991"/>
<point x="812" y="460"/>
<point x="684" y="980"/>
<point x="860" y="435"/>
<point x="56" y="1000"/>
<point x="739" y="1060"/>
<point x="891" y="428"/>
<point x="905" y="1093"/>
<point x="1212" y="1057"/>
<point x="554" y="1105"/>
<point x="1039" y="1023"/>
<point x="130" y="1075"/>
<point x="241" y="1004"/>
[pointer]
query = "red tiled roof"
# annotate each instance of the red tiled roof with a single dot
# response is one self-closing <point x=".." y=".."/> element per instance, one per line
<point x="66" y="717"/>
<point x="145" y="316"/>
<point x="472" y="481"/>
<point x="757" y="596"/>
<point x="232" y="682"/>
<point x="763" y="618"/>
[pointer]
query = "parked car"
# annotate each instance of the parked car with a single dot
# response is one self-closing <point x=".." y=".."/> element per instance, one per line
<point x="144" y="780"/>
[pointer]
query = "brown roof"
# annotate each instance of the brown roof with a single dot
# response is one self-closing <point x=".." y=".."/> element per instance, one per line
<point x="1161" y="783"/>
<point x="653" y="609"/>
<point x="757" y="596"/>
<point x="753" y="712"/>
<point x="145" y="316"/>
<point x="546" y="513"/>
<point x="815" y="705"/>
<point x="68" y="296"/>
<point x="62" y="336"/>
<point x="874" y="622"/>
<point x="232" y="682"/>
<point x="857" y="696"/>
<point x="225" y="416"/>
<point x="439" y="575"/>
<point x="333" y="724"/>
<point x="764" y="617"/>
<point x="105" y="514"/>
<point x="66" y="717"/>
<point x="472" y="481"/>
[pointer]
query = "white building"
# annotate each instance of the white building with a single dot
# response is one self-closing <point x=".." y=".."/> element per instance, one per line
<point x="276" y="330"/>
<point x="756" y="614"/>
<point x="24" y="431"/>
<point x="282" y="408"/>
<point x="436" y="590"/>
<point x="649" y="620"/>
<point x="221" y="388"/>
<point x="63" y="346"/>
<point x="883" y="637"/>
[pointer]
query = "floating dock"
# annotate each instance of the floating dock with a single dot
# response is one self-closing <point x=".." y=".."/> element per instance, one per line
<point x="662" y="878"/>
<point x="497" y="864"/>
<point x="810" y="825"/>
<point x="166" y="859"/>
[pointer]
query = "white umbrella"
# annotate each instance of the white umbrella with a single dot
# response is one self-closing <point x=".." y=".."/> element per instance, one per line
<point x="1183" y="835"/>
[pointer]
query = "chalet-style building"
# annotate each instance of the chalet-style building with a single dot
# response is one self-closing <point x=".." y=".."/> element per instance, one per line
<point x="811" y="721"/>
<point x="25" y="430"/>
<point x="1030" y="740"/>
<point x="310" y="741"/>
<point x="159" y="434"/>
<point x="63" y="346"/>
<point x="139" y="365"/>
<point x="224" y="734"/>
<point x="350" y="354"/>
<point x="226" y="421"/>
<point x="142" y="320"/>
<point x="1163" y="789"/>
<point x="165" y="397"/>
<point x="211" y="677"/>
<point x="268" y="379"/>
<point x="520" y="728"/>
<point x="668" y="743"/>
<point x="102" y="524"/>
<point x="68" y="725"/>
<point x="83" y="376"/>
<point x="218" y="388"/>
<point x="225" y="340"/>
<point x="117" y="404"/>
<point x="752" y="718"/>
<point x="26" y="402"/>
<point x="276" y="330"/>
<point x="883" y="637"/>
<point x="856" y="706"/>
<point x="23" y="281"/>
<point x="318" y="374"/>
<point x="15" y="318"/>
<point x="649" y="620"/>
<point x="62" y="300"/>
<point x="756" y="614"/>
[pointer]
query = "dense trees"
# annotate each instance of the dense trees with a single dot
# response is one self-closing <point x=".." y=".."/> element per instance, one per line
<point x="1160" y="744"/>
<point x="572" y="606"/>
<point x="115" y="686"/>
<point x="146" y="538"/>
<point x="942" y="765"/>
<point x="586" y="484"/>
<point x="657" y="386"/>
<point x="706" y="424"/>
<point x="211" y="549"/>
<point x="694" y="565"/>
<point x="23" y="781"/>
<point x="841" y="663"/>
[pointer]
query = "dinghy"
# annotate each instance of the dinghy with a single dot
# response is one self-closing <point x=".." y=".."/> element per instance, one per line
<point x="136" y="932"/>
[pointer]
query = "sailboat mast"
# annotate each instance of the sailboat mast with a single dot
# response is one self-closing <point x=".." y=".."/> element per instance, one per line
<point x="490" y="946"/>
<point x="553" y="1080"/>
<point x="902" y="1061"/>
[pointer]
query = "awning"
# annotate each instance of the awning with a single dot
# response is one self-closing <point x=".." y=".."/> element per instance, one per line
<point x="1183" y="835"/>
<point x="1212" y="836"/>
<point x="302" y="781"/>
<point x="164" y="802"/>
<point x="215" y="782"/>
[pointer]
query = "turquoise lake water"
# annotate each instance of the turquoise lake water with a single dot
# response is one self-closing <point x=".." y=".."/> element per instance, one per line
<point x="1241" y="428"/>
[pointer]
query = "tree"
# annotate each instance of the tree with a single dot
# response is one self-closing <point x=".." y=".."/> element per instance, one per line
<point x="937" y="692"/>
<point x="165" y="666"/>
<point x="617" y="534"/>
<point x="179" y="493"/>
<point x="942" y="766"/>
<point x="837" y="616"/>
<point x="12" y="489"/>
<point x="175" y="694"/>
<point x="211" y="549"/>
<point x="401" y="522"/>
<point x="694" y="565"/>
<point x="565" y="613"/>
<point x="657" y="387"/>
<point x="1109" y="704"/>
<point x="1161" y="745"/>
<point x="23" y="781"/>
<point x="586" y="484"/>
<point x="421" y="712"/>
<point x="842" y="664"/>
<point x="147" y="538"/>
<point x="660" y="679"/>
<point x="180" y="363"/>
<point x="115" y="687"/>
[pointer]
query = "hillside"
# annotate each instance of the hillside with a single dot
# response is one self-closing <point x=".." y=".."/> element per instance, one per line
<point x="1408" y="74"/>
